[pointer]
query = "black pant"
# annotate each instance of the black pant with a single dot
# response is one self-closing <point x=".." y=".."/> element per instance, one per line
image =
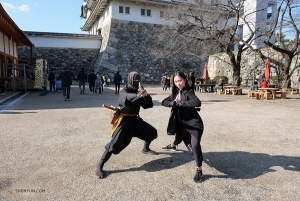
<point x="183" y="135"/>
<point x="129" y="127"/>
<point x="187" y="138"/>
<point x="117" y="86"/>
<point x="2" y="89"/>
<point x="92" y="87"/>
<point x="52" y="85"/>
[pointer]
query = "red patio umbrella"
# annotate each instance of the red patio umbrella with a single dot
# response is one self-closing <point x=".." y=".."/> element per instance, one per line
<point x="205" y="73"/>
<point x="267" y="70"/>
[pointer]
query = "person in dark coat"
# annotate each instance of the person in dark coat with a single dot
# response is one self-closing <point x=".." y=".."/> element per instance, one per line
<point x="129" y="123"/>
<point x="82" y="79"/>
<point x="51" y="79"/>
<point x="193" y="79"/>
<point x="92" y="79"/>
<point x="185" y="120"/>
<point x="66" y="81"/>
<point x="117" y="81"/>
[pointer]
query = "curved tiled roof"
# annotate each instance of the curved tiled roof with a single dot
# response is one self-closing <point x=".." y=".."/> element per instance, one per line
<point x="9" y="27"/>
<point x="62" y="35"/>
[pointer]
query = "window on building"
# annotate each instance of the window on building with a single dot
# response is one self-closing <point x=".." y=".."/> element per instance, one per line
<point x="148" y="12"/>
<point x="162" y="14"/>
<point x="121" y="9"/>
<point x="143" y="12"/>
<point x="269" y="11"/>
<point x="127" y="10"/>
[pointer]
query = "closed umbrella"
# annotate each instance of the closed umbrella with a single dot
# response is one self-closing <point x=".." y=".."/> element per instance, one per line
<point x="267" y="70"/>
<point x="205" y="73"/>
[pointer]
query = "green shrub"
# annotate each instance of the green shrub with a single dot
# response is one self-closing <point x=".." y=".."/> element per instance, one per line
<point x="225" y="79"/>
<point x="277" y="79"/>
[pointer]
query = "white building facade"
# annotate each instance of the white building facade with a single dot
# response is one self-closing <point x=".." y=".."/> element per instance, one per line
<point x="103" y="17"/>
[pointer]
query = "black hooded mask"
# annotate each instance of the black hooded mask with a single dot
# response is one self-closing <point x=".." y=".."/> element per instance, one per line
<point x="133" y="85"/>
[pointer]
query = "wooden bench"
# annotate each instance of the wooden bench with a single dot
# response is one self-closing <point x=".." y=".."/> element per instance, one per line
<point x="282" y="94"/>
<point x="256" y="95"/>
<point x="291" y="90"/>
<point x="236" y="91"/>
<point x="219" y="91"/>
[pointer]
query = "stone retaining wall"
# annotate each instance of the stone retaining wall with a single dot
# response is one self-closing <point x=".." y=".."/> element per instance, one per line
<point x="58" y="58"/>
<point x="125" y="47"/>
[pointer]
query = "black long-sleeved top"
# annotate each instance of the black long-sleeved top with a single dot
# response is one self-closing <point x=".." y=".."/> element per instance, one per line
<point x="186" y="111"/>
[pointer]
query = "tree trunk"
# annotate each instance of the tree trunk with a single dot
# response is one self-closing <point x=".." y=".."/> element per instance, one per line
<point x="286" y="79"/>
<point x="236" y="76"/>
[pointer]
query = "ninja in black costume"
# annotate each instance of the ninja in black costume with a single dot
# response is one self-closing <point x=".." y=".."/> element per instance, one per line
<point x="131" y="125"/>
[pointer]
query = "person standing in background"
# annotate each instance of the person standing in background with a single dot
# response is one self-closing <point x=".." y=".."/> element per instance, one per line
<point x="66" y="81"/>
<point x="51" y="79"/>
<point x="193" y="79"/>
<point x="117" y="81"/>
<point x="91" y="80"/>
<point x="82" y="79"/>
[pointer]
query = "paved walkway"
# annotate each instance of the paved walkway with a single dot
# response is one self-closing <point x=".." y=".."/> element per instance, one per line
<point x="49" y="150"/>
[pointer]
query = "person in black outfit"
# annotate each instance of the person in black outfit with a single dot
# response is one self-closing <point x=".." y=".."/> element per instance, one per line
<point x="3" y="82"/>
<point x="187" y="122"/>
<point x="117" y="81"/>
<point x="51" y="79"/>
<point x="91" y="79"/>
<point x="131" y="125"/>
<point x="193" y="79"/>
<point x="81" y="79"/>
<point x="66" y="81"/>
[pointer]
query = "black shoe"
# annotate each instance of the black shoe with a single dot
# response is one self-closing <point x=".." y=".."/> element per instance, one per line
<point x="169" y="148"/>
<point x="189" y="147"/>
<point x="99" y="173"/>
<point x="115" y="92"/>
<point x="149" y="151"/>
<point x="65" y="98"/>
<point x="80" y="92"/>
<point x="198" y="176"/>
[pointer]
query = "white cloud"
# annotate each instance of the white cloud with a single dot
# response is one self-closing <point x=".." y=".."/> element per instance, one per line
<point x="23" y="7"/>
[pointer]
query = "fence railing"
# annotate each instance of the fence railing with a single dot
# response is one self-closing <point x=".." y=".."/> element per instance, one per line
<point x="14" y="71"/>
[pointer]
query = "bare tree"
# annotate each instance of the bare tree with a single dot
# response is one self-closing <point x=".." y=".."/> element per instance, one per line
<point x="286" y="24"/>
<point x="216" y="26"/>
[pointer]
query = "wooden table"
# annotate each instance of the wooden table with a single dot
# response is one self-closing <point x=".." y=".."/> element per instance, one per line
<point x="207" y="85"/>
<point x="272" y="90"/>
<point x="230" y="89"/>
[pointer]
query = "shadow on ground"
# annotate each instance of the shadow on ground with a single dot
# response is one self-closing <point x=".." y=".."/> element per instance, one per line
<point x="246" y="165"/>
<point x="174" y="159"/>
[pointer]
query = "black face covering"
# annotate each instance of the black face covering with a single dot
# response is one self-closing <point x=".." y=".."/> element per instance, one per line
<point x="135" y="84"/>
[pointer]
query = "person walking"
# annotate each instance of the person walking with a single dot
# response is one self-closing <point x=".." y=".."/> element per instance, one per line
<point x="107" y="81"/>
<point x="185" y="120"/>
<point x="129" y="124"/>
<point x="82" y="79"/>
<point x="51" y="79"/>
<point x="91" y="80"/>
<point x="66" y="81"/>
<point x="98" y="83"/>
<point x="117" y="81"/>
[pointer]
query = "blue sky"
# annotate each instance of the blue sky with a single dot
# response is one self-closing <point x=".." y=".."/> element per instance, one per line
<point x="46" y="15"/>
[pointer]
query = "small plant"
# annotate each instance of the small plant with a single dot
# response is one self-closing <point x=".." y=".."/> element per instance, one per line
<point x="277" y="79"/>
<point x="217" y="78"/>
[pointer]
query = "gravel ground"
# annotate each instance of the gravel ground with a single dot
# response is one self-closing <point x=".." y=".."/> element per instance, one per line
<point x="49" y="150"/>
